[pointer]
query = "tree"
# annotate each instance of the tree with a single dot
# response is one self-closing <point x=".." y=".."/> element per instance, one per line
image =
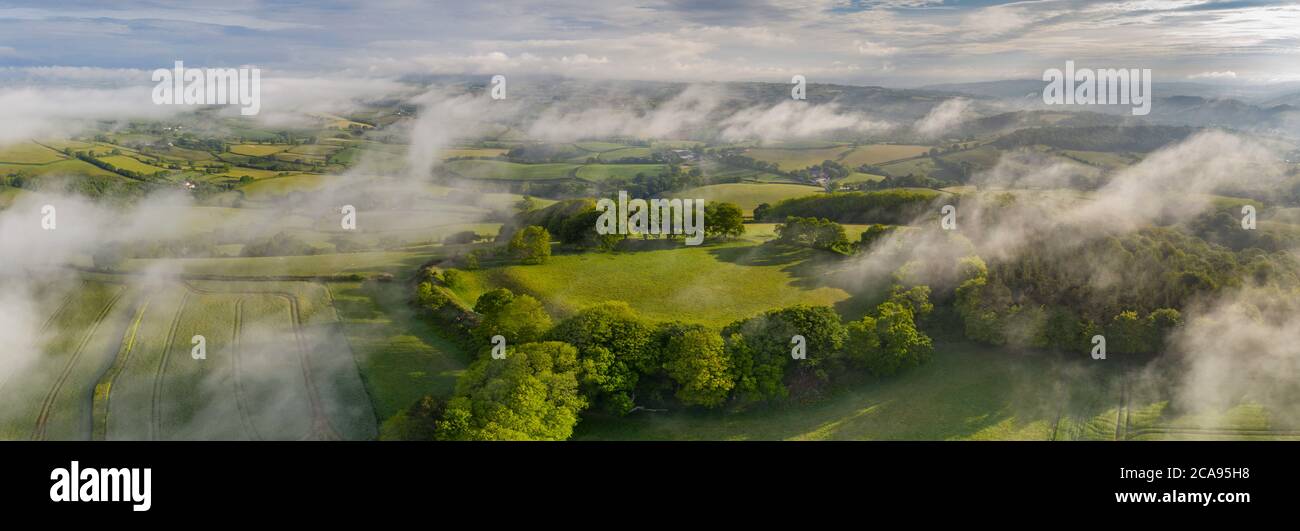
<point x="416" y="423"/>
<point x="615" y="349"/>
<point x="873" y="233"/>
<point x="902" y="346"/>
<point x="532" y="394"/>
<point x="760" y="349"/>
<point x="430" y="297"/>
<point x="723" y="220"/>
<point x="1124" y="334"/>
<point x="1161" y="322"/>
<point x="695" y="357"/>
<point x="812" y="232"/>
<point x="580" y="230"/>
<point x="532" y="245"/>
<point x="760" y="211"/>
<point x="862" y="347"/>
<point x="518" y="318"/>
<point x="981" y="319"/>
<point x="916" y="298"/>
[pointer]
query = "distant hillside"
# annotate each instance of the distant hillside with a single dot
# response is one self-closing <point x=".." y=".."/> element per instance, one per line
<point x="1010" y="121"/>
<point x="1138" y="139"/>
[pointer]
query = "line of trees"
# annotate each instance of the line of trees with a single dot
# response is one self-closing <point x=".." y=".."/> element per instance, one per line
<point x="892" y="207"/>
<point x="573" y="222"/>
<point x="607" y="358"/>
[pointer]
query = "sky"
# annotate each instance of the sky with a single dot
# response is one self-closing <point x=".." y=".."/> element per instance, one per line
<point x="885" y="42"/>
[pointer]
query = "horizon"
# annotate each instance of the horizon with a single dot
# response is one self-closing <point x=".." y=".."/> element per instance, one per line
<point x="897" y="44"/>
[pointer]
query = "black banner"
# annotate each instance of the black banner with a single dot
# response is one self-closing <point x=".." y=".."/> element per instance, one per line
<point x="328" y="479"/>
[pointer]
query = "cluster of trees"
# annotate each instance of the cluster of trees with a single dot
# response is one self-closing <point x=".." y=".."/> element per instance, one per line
<point x="893" y="207"/>
<point x="905" y="181"/>
<point x="86" y="157"/>
<point x="737" y="160"/>
<point x="532" y="245"/>
<point x="818" y="233"/>
<point x="1223" y="226"/>
<point x="541" y="153"/>
<point x="828" y="169"/>
<point x="1056" y="327"/>
<point x="1058" y="298"/>
<point x="573" y="222"/>
<point x="608" y="358"/>
<point x="190" y="141"/>
<point x="673" y="178"/>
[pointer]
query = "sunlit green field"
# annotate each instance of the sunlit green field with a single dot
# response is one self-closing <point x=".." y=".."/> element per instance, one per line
<point x="713" y="285"/>
<point x="600" y="172"/>
<point x="28" y="153"/>
<point x="877" y="153"/>
<point x="750" y="195"/>
<point x="401" y="358"/>
<point x="796" y="159"/>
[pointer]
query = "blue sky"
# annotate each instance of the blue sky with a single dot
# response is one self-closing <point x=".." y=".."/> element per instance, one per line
<point x="891" y="42"/>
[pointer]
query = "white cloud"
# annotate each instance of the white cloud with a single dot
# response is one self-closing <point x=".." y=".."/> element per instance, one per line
<point x="1227" y="74"/>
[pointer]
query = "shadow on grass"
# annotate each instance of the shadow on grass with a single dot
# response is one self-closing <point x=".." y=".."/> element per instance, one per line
<point x="966" y="392"/>
<point x="810" y="269"/>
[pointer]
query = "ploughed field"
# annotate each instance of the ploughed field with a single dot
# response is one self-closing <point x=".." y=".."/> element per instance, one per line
<point x="119" y="365"/>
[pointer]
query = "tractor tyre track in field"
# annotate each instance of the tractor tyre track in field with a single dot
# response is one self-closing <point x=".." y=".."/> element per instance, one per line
<point x="245" y="417"/>
<point x="49" y="321"/>
<point x="338" y="320"/>
<point x="321" y="427"/>
<point x="100" y="407"/>
<point x="155" y="420"/>
<point x="1212" y="432"/>
<point x="1122" y="409"/>
<point x="42" y="419"/>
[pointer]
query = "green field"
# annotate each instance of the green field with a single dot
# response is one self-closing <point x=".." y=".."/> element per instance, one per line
<point x="268" y="188"/>
<point x="796" y="159"/>
<point x="401" y="357"/>
<point x="969" y="393"/>
<point x="875" y="154"/>
<point x="28" y="153"/>
<point x="856" y="177"/>
<point x="625" y="153"/>
<point x="750" y="195"/>
<point x="68" y="167"/>
<point x="258" y="150"/>
<point x="712" y="285"/>
<point x="600" y="172"/>
<point x="236" y="172"/>
<point x="922" y="166"/>
<point x="123" y="162"/>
